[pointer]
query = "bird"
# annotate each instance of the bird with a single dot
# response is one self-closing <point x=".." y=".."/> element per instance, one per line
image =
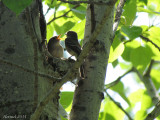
<point x="73" y="47"/>
<point x="54" y="47"/>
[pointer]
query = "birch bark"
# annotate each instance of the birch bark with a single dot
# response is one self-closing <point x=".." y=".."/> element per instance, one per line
<point x="89" y="91"/>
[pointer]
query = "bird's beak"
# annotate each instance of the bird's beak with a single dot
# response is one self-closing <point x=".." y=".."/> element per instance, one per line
<point x="58" y="37"/>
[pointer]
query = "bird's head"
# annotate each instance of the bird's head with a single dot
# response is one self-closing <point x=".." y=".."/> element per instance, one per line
<point x="55" y="39"/>
<point x="71" y="34"/>
<point x="58" y="37"/>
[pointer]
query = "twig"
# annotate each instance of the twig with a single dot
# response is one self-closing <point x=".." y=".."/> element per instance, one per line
<point x="155" y="113"/>
<point x="117" y="80"/>
<point x="28" y="70"/>
<point x="128" y="41"/>
<point x="48" y="9"/>
<point x="118" y="15"/>
<point x="56" y="7"/>
<point x="75" y="66"/>
<point x="147" y="73"/>
<point x="64" y="15"/>
<point x="148" y="40"/>
<point x="151" y="89"/>
<point x="86" y="2"/>
<point x="118" y="105"/>
<point x="157" y="62"/>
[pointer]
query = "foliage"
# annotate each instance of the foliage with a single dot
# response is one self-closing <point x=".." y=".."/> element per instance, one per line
<point x="17" y="6"/>
<point x="129" y="49"/>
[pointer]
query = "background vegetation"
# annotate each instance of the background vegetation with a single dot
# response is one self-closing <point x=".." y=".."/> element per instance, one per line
<point x="135" y="50"/>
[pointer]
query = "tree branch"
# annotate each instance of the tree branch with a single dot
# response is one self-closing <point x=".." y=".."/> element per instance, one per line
<point x="156" y="110"/>
<point x="117" y="80"/>
<point x="29" y="71"/>
<point x="76" y="65"/>
<point x="151" y="89"/>
<point x="86" y="2"/>
<point x="118" y="15"/>
<point x="118" y="105"/>
<point x="155" y="113"/>
<point x="48" y="9"/>
<point x="147" y="73"/>
<point x="64" y="15"/>
<point x="148" y="40"/>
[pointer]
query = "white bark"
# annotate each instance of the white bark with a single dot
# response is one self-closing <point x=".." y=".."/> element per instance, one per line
<point x="89" y="92"/>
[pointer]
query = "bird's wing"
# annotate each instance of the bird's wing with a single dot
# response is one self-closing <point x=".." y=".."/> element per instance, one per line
<point x="73" y="45"/>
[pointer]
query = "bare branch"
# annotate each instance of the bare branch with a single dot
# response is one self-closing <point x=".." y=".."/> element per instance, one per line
<point x="47" y="11"/>
<point x="28" y="70"/>
<point x="157" y="62"/>
<point x="118" y="105"/>
<point x="76" y="65"/>
<point x="86" y="2"/>
<point x="48" y="8"/>
<point x="128" y="41"/>
<point x="155" y="113"/>
<point x="118" y="15"/>
<point x="117" y="80"/>
<point x="151" y="89"/>
<point x="147" y="73"/>
<point x="148" y="40"/>
<point x="64" y="15"/>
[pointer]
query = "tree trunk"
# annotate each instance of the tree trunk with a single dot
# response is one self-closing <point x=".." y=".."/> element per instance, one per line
<point x="21" y="88"/>
<point x="89" y="92"/>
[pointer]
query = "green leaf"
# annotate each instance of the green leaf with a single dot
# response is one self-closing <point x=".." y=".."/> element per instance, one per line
<point x="143" y="1"/>
<point x="80" y="12"/>
<point x="131" y="31"/>
<point x="66" y="99"/>
<point x="140" y="96"/>
<point x="144" y="28"/>
<point x="64" y="28"/>
<point x="119" y="88"/>
<point x="153" y="35"/>
<point x="155" y="75"/>
<point x="101" y="114"/>
<point x="126" y="53"/>
<point x="141" y="9"/>
<point x="125" y="65"/>
<point x="145" y="103"/>
<point x="130" y="10"/>
<point x="17" y="6"/>
<point x="50" y="30"/>
<point x="115" y="63"/>
<point x="140" y="57"/>
<point x="109" y="107"/>
<point x="140" y="115"/>
<point x="51" y="3"/>
<point x="79" y="28"/>
<point x="116" y="49"/>
<point x="109" y="117"/>
<point x="62" y="118"/>
<point x="63" y="24"/>
<point x="129" y="47"/>
<point x="154" y="5"/>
